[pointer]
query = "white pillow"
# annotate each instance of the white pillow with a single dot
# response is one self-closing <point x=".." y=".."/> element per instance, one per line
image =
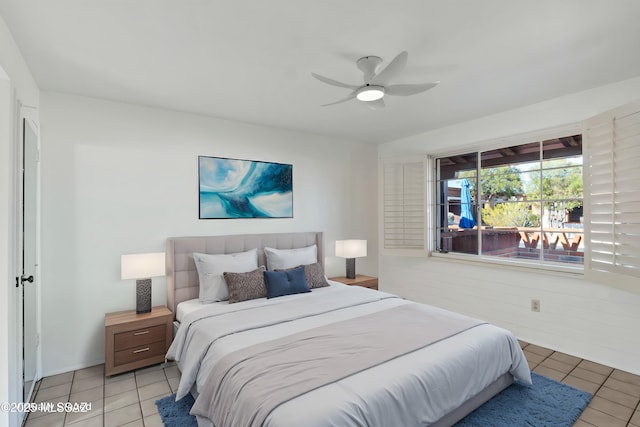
<point x="213" y="288"/>
<point x="280" y="259"/>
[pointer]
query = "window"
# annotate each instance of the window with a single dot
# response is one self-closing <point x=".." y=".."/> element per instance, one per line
<point x="523" y="202"/>
<point x="526" y="201"/>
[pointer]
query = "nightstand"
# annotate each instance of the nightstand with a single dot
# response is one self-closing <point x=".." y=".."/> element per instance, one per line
<point x="360" y="280"/>
<point x="132" y="341"/>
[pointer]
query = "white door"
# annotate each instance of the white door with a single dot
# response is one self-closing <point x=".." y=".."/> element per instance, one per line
<point x="28" y="279"/>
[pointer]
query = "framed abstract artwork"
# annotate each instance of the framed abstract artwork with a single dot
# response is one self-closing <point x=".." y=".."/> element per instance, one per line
<point x="233" y="188"/>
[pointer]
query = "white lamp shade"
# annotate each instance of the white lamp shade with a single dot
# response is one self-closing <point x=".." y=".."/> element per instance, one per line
<point x="142" y="266"/>
<point x="351" y="248"/>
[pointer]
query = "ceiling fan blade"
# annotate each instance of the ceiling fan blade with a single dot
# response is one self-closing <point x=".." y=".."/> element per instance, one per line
<point x="348" y="98"/>
<point x="376" y="105"/>
<point x="408" y="89"/>
<point x="332" y="82"/>
<point x="392" y="70"/>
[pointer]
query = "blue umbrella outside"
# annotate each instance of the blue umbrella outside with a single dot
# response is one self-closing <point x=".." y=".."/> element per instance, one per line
<point x="466" y="216"/>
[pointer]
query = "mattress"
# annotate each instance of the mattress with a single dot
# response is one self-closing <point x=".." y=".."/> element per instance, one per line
<point x="418" y="388"/>
<point x="186" y="307"/>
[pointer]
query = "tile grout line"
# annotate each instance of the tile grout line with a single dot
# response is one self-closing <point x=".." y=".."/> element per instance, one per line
<point x="602" y="385"/>
<point x="636" y="409"/>
<point x="104" y="398"/>
<point x="170" y="390"/>
<point x="73" y="377"/>
<point x="135" y="379"/>
<point x="135" y="375"/>
<point x="569" y="373"/>
<point x="596" y="392"/>
<point x="36" y="389"/>
<point x="627" y="422"/>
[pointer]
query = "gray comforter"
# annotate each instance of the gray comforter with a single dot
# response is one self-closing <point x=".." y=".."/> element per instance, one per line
<point x="414" y="389"/>
<point x="247" y="385"/>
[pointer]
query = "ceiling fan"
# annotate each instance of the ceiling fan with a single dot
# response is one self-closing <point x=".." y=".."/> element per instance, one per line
<point x="377" y="84"/>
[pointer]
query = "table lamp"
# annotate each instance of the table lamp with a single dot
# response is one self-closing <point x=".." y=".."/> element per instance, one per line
<point x="351" y="249"/>
<point x="142" y="267"/>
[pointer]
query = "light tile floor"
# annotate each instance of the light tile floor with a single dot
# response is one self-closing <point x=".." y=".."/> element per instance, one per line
<point x="121" y="400"/>
<point x="616" y="393"/>
<point x="129" y="399"/>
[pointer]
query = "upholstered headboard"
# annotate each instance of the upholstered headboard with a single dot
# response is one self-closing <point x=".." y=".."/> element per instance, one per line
<point x="182" y="277"/>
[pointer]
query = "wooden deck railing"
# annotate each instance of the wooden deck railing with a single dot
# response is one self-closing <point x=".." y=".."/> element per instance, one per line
<point x="568" y="238"/>
<point x="551" y="237"/>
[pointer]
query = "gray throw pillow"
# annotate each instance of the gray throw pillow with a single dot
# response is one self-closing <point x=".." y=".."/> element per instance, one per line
<point x="246" y="286"/>
<point x="314" y="274"/>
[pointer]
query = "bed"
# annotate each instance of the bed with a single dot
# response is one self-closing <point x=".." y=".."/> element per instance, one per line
<point x="265" y="361"/>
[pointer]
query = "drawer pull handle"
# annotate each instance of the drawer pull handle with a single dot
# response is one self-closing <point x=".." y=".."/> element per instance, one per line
<point x="141" y="350"/>
<point x="141" y="333"/>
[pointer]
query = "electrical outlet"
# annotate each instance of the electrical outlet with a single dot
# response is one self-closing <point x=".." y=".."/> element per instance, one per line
<point x="535" y="305"/>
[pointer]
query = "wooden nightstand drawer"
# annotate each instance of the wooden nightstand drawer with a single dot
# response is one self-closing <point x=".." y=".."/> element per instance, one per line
<point x="139" y="353"/>
<point x="139" y="337"/>
<point x="133" y="341"/>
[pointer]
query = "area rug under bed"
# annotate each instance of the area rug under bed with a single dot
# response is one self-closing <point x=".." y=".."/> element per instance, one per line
<point x="546" y="403"/>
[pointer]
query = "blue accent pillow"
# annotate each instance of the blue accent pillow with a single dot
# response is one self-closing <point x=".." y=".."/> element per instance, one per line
<point x="280" y="283"/>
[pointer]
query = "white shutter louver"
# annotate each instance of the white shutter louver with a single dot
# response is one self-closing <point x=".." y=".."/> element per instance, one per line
<point x="612" y="179"/>
<point x="403" y="202"/>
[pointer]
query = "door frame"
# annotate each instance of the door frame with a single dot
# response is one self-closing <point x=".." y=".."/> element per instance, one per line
<point x="28" y="115"/>
<point x="8" y="264"/>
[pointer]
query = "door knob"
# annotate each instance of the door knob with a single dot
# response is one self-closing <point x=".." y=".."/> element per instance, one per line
<point x="24" y="278"/>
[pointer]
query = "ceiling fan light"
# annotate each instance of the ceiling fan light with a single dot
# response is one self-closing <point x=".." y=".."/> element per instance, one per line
<point x="370" y="93"/>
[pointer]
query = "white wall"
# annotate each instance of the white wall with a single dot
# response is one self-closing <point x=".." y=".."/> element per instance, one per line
<point x="363" y="209"/>
<point x="119" y="179"/>
<point x="16" y="84"/>
<point x="589" y="320"/>
<point x="7" y="271"/>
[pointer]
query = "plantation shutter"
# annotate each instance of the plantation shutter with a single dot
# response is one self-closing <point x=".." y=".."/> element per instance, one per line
<point x="612" y="192"/>
<point x="404" y="204"/>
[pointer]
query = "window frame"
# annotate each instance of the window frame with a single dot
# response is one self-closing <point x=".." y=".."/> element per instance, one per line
<point x="488" y="145"/>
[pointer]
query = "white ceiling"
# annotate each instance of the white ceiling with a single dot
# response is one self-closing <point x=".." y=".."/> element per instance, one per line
<point x="251" y="60"/>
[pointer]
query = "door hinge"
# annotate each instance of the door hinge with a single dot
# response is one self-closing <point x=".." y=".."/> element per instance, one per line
<point x="17" y="282"/>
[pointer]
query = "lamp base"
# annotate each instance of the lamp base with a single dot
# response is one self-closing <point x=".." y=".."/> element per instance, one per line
<point x="143" y="296"/>
<point x="351" y="268"/>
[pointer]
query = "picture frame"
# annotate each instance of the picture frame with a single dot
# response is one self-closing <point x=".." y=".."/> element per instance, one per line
<point x="235" y="188"/>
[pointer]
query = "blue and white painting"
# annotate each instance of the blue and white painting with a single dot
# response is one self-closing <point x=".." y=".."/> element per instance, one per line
<point x="232" y="188"/>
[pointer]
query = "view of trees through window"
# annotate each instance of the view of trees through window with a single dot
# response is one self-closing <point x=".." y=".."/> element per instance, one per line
<point x="521" y="202"/>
